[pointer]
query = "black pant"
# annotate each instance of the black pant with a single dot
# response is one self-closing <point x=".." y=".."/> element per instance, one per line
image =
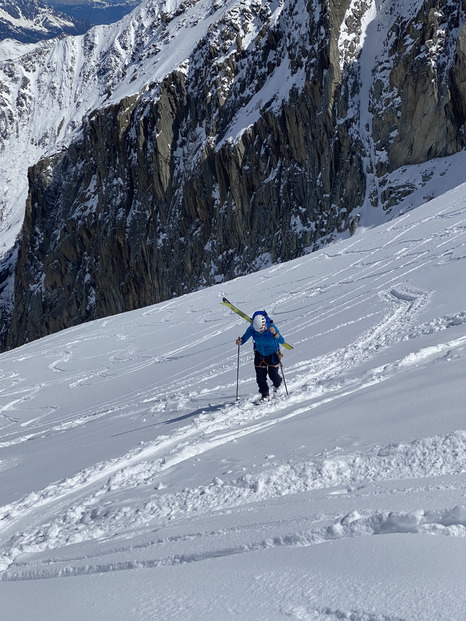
<point x="267" y="365"/>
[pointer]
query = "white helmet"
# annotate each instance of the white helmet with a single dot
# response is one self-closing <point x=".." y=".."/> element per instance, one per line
<point x="259" y="323"/>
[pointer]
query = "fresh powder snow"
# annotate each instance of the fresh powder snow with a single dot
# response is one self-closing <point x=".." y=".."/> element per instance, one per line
<point x="133" y="486"/>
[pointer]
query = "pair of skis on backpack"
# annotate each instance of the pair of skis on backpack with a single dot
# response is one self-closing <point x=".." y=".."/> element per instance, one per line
<point x="236" y="310"/>
<point x="262" y="400"/>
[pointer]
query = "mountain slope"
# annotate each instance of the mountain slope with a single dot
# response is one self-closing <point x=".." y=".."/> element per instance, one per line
<point x="29" y="21"/>
<point x="97" y="12"/>
<point x="127" y="468"/>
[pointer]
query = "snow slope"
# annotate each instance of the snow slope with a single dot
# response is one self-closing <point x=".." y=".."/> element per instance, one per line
<point x="96" y="11"/>
<point x="133" y="486"/>
<point x="31" y="20"/>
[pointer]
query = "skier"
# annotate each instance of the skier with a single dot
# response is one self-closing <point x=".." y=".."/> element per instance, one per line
<point x="267" y="340"/>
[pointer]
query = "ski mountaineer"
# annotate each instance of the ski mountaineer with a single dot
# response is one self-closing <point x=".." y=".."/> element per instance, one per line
<point x="267" y="340"/>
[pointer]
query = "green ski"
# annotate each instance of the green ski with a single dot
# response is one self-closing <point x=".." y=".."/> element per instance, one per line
<point x="244" y="316"/>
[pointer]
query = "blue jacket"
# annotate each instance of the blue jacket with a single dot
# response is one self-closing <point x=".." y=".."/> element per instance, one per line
<point x="265" y="342"/>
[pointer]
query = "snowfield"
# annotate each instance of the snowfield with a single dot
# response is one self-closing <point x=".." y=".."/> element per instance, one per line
<point x="133" y="486"/>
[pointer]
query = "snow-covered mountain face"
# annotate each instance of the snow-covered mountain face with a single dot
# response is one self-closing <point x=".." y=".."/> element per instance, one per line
<point x="96" y="11"/>
<point x="196" y="141"/>
<point x="30" y="21"/>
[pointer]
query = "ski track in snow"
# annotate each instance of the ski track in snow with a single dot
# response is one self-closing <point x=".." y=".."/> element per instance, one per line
<point x="123" y="503"/>
<point x="432" y="456"/>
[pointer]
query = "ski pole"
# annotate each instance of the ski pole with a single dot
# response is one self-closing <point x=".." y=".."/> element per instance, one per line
<point x="284" y="381"/>
<point x="237" y="376"/>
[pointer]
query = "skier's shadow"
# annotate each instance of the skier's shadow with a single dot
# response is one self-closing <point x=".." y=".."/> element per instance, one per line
<point x="205" y="410"/>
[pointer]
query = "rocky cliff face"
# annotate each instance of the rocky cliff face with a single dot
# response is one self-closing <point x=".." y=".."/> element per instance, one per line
<point x="282" y="125"/>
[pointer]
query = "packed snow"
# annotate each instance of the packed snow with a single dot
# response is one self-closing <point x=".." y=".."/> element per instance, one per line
<point x="134" y="486"/>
